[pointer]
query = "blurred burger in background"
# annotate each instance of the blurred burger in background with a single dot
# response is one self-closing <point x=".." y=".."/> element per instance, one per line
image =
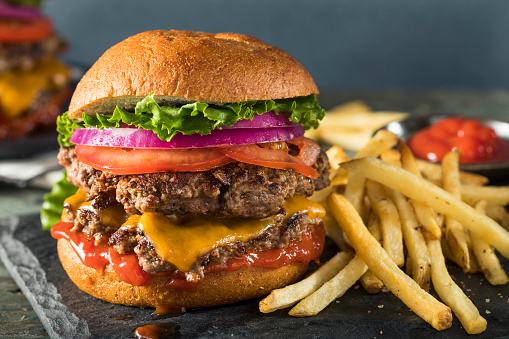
<point x="33" y="84"/>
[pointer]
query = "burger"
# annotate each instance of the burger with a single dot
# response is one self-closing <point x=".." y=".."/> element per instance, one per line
<point x="192" y="171"/>
<point x="33" y="83"/>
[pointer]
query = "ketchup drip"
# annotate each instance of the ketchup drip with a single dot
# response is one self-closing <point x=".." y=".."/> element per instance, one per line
<point x="127" y="267"/>
<point x="158" y="331"/>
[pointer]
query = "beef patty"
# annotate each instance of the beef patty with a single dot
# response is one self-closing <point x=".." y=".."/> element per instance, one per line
<point x="233" y="190"/>
<point x="26" y="55"/>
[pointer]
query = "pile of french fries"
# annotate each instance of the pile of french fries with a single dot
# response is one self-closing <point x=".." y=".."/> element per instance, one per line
<point x="396" y="219"/>
<point x="352" y="124"/>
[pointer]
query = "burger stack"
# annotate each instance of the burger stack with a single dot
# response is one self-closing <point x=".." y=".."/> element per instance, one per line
<point x="33" y="84"/>
<point x="192" y="171"/>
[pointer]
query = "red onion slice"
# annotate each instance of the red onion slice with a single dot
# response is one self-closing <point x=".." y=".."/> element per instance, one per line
<point x="18" y="12"/>
<point x="140" y="138"/>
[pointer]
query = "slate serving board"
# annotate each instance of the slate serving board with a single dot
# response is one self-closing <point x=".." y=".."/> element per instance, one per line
<point x="30" y="256"/>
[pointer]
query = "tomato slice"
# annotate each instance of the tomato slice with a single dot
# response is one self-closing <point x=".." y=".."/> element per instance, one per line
<point x="151" y="160"/>
<point x="256" y="155"/>
<point x="138" y="161"/>
<point x="309" y="150"/>
<point x="14" y="31"/>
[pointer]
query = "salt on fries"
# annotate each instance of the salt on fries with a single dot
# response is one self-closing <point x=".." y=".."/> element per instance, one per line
<point x="430" y="207"/>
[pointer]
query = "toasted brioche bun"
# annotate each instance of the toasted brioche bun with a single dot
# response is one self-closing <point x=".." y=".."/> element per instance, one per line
<point x="215" y="289"/>
<point x="184" y="66"/>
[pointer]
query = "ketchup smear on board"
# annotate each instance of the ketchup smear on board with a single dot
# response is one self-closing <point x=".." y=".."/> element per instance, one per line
<point x="477" y="143"/>
<point x="127" y="268"/>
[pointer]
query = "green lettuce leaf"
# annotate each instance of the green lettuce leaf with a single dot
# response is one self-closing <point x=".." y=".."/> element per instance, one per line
<point x="53" y="205"/>
<point x="197" y="117"/>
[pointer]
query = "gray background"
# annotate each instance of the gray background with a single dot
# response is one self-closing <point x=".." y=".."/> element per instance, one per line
<point x="345" y="44"/>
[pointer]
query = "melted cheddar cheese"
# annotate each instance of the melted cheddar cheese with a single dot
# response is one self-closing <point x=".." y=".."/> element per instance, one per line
<point x="113" y="216"/>
<point x="19" y="88"/>
<point x="180" y="240"/>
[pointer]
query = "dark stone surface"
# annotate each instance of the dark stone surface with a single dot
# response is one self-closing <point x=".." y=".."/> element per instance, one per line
<point x="30" y="255"/>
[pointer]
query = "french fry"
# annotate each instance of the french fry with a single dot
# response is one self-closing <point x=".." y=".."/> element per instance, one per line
<point x="486" y="257"/>
<point x="455" y="235"/>
<point x="423" y="304"/>
<point x="381" y="141"/>
<point x="392" y="236"/>
<point x="338" y="175"/>
<point x="374" y="227"/>
<point x="451" y="294"/>
<point x="336" y="156"/>
<point x="289" y="295"/>
<point x="421" y="190"/>
<point x="433" y="172"/>
<point x="369" y="281"/>
<point x="415" y="243"/>
<point x="425" y="215"/>
<point x="440" y="217"/>
<point x="428" y="219"/>
<point x="331" y="290"/>
<point x="499" y="214"/>
<point x="493" y="195"/>
<point x="333" y="232"/>
<point x="474" y="265"/>
<point x="409" y="267"/>
<point x="332" y="229"/>
<point x="354" y="189"/>
<point x="391" y="155"/>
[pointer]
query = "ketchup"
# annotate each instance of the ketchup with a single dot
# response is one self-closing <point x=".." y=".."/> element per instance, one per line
<point x="309" y="249"/>
<point x="128" y="269"/>
<point x="126" y="266"/>
<point x="477" y="143"/>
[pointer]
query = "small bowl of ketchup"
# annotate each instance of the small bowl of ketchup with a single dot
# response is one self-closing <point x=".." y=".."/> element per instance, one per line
<point x="483" y="142"/>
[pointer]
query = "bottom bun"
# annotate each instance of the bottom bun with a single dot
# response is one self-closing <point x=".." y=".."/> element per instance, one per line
<point x="215" y="289"/>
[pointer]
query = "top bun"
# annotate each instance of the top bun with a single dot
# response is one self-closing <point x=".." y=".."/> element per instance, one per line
<point x="184" y="66"/>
